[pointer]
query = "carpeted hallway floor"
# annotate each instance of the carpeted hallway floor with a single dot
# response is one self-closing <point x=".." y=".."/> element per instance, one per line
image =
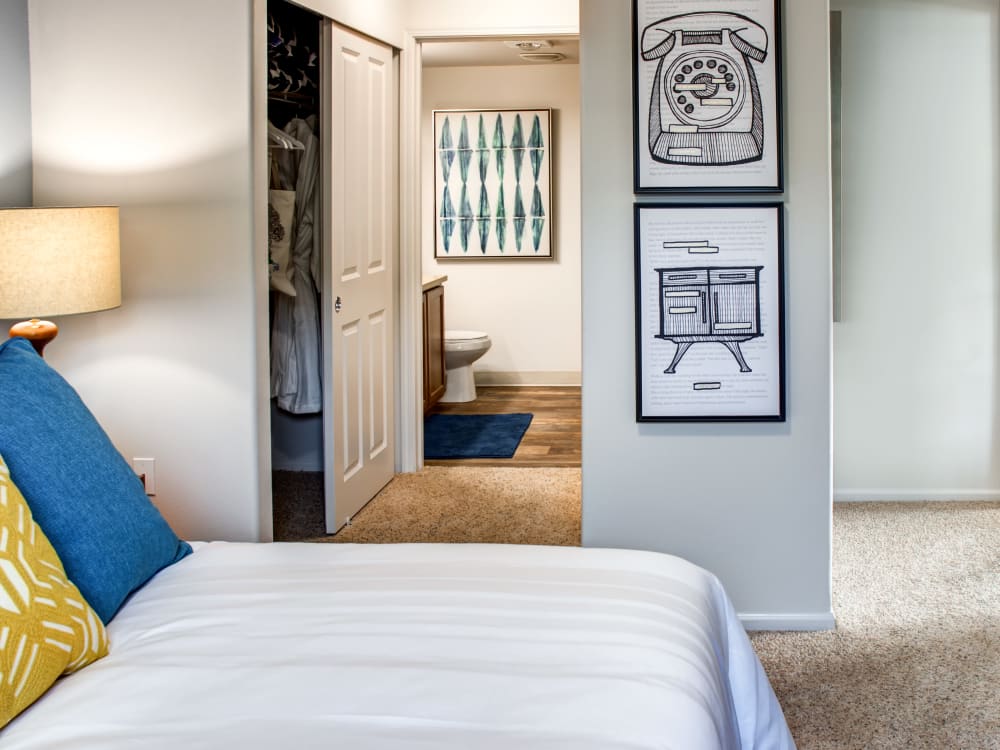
<point x="473" y="504"/>
<point x="914" y="662"/>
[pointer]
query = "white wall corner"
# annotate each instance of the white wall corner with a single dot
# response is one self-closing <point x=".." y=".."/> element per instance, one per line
<point x="259" y="166"/>
<point x="15" y="115"/>
<point x="409" y="415"/>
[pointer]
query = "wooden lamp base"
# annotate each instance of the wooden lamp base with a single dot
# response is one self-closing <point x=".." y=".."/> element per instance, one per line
<point x="38" y="332"/>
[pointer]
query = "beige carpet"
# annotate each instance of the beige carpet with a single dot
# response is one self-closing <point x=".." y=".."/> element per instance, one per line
<point x="915" y="660"/>
<point x="458" y="504"/>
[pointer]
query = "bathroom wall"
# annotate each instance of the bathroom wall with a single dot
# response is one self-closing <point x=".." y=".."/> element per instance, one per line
<point x="15" y="114"/>
<point x="530" y="308"/>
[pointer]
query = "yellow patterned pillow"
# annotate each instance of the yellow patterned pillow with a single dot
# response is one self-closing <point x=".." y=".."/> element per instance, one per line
<point x="46" y="628"/>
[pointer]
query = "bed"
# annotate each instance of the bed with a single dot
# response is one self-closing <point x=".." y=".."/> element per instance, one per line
<point x="417" y="646"/>
<point x="397" y="646"/>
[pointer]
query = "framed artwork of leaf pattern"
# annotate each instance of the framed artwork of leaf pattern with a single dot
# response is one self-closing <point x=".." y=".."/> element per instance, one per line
<point x="492" y="184"/>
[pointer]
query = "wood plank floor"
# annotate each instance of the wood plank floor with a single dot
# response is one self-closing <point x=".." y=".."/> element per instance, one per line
<point x="552" y="439"/>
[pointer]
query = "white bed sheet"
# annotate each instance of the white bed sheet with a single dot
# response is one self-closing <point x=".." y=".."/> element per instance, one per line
<point x="416" y="647"/>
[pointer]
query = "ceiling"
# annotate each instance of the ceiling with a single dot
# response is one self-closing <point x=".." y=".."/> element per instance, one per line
<point x="451" y="54"/>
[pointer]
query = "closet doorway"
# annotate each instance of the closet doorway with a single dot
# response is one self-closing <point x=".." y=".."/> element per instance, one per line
<point x="332" y="241"/>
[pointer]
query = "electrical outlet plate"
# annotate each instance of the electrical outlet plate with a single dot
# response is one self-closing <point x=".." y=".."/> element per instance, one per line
<point x="146" y="468"/>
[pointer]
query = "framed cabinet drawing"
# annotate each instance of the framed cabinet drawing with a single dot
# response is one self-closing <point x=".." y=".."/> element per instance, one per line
<point x="706" y="96"/>
<point x="709" y="313"/>
<point x="492" y="184"/>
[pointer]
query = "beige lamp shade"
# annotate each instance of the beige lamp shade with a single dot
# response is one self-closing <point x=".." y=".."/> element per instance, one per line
<point x="59" y="261"/>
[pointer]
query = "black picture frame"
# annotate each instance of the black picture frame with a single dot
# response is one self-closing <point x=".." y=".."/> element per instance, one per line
<point x="709" y="312"/>
<point x="719" y="127"/>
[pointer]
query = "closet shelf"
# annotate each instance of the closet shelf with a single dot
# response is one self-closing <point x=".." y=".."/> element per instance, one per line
<point x="291" y="97"/>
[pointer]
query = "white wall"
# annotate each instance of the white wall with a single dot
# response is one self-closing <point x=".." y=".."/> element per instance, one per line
<point x="515" y="16"/>
<point x="15" y="114"/>
<point x="916" y="354"/>
<point x="134" y="121"/>
<point x="529" y="308"/>
<point x="751" y="502"/>
<point x="173" y="374"/>
<point x="380" y="19"/>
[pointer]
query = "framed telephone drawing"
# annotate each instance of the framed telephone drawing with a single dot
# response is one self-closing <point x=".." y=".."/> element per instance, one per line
<point x="707" y="96"/>
<point x="709" y="313"/>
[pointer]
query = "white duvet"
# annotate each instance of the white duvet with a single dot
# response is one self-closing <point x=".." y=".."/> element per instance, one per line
<point x="417" y="646"/>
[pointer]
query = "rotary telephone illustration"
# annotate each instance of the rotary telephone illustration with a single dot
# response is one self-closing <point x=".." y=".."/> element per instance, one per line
<point x="705" y="105"/>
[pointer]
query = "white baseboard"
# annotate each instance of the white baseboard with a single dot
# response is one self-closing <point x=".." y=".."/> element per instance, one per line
<point x="908" y="496"/>
<point x="788" y="621"/>
<point x="530" y="377"/>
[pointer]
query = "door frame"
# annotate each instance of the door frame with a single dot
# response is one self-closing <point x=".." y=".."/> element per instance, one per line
<point x="409" y="418"/>
<point x="259" y="221"/>
<point x="409" y="381"/>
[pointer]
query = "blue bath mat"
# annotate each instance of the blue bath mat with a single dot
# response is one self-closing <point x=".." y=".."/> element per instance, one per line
<point x="473" y="435"/>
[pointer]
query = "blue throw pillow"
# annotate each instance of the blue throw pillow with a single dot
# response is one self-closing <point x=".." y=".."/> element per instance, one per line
<point x="90" y="504"/>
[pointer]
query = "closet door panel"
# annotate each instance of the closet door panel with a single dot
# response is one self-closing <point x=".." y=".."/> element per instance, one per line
<point x="352" y="400"/>
<point x="362" y="167"/>
<point x="380" y="201"/>
<point x="379" y="353"/>
<point x="352" y="174"/>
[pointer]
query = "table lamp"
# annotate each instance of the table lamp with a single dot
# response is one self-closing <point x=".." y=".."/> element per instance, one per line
<point x="57" y="261"/>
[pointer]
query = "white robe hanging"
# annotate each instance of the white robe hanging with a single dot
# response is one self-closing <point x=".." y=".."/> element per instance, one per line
<point x="296" y="347"/>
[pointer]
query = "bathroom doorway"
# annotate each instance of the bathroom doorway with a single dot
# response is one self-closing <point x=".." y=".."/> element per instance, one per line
<point x="528" y="306"/>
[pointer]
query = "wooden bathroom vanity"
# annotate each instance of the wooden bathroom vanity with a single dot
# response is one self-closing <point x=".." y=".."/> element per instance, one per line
<point x="434" y="369"/>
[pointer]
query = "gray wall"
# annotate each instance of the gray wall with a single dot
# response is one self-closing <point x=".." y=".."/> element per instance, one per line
<point x="921" y="250"/>
<point x="15" y="114"/>
<point x="750" y="502"/>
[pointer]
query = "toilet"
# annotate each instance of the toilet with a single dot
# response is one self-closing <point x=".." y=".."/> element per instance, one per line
<point x="461" y="349"/>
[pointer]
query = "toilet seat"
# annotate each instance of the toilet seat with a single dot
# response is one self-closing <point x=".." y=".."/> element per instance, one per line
<point x="464" y="336"/>
<point x="464" y="341"/>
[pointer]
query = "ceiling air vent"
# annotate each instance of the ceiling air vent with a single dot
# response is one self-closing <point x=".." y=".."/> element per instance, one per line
<point x="542" y="56"/>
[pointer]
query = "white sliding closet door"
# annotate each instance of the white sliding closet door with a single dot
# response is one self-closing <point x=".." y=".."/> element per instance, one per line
<point x="361" y="238"/>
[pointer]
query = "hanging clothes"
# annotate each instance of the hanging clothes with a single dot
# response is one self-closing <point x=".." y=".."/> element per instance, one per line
<point x="277" y="138"/>
<point x="296" y="347"/>
<point x="281" y="213"/>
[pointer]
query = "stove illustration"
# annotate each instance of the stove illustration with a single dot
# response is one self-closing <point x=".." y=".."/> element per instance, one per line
<point x="709" y="304"/>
